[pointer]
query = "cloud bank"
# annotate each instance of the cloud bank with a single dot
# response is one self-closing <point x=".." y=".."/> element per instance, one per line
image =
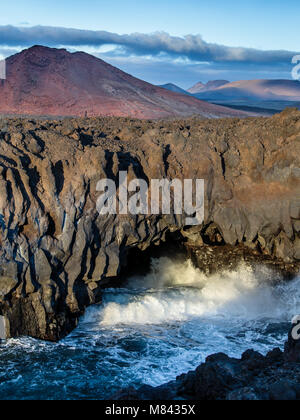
<point x="191" y="47"/>
<point x="158" y="57"/>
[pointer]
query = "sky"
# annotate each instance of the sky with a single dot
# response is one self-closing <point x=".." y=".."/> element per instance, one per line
<point x="164" y="41"/>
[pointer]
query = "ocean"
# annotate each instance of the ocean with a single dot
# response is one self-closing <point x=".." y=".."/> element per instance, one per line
<point x="152" y="329"/>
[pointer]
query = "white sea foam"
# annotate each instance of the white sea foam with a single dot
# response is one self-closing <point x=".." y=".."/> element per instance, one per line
<point x="179" y="291"/>
<point x="152" y="330"/>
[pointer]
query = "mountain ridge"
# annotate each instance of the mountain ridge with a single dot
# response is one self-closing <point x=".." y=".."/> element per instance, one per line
<point x="258" y="89"/>
<point x="174" y="88"/>
<point x="49" y="81"/>
<point x="202" y="87"/>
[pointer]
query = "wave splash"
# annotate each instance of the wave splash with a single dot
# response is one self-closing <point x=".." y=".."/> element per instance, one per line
<point x="152" y="330"/>
<point x="178" y="292"/>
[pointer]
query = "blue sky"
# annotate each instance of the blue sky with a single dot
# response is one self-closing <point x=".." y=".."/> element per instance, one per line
<point x="269" y="25"/>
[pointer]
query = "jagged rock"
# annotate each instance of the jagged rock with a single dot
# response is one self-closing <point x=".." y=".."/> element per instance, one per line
<point x="243" y="394"/>
<point x="253" y="377"/>
<point x="56" y="251"/>
<point x="7" y="284"/>
<point x="283" y="391"/>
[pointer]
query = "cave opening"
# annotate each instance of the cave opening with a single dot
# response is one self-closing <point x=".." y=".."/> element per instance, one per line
<point x="138" y="262"/>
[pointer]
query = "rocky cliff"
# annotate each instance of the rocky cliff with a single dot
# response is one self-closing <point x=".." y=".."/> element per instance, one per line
<point x="57" y="252"/>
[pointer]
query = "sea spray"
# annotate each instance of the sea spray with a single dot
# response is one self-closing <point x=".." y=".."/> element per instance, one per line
<point x="153" y="329"/>
<point x="178" y="291"/>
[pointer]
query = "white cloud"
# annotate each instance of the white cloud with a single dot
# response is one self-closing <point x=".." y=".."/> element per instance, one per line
<point x="191" y="47"/>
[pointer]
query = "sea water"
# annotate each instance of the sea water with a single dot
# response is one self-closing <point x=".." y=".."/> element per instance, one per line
<point x="153" y="329"/>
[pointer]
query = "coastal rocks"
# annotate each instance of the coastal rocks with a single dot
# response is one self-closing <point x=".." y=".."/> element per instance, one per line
<point x="215" y="258"/>
<point x="57" y="252"/>
<point x="253" y="377"/>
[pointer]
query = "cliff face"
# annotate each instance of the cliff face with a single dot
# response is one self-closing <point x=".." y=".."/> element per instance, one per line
<point x="57" y="252"/>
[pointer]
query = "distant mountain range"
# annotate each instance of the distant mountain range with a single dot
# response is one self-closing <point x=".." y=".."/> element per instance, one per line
<point x="201" y="87"/>
<point x="254" y="90"/>
<point x="263" y="90"/>
<point x="53" y="82"/>
<point x="173" y="88"/>
<point x="265" y="97"/>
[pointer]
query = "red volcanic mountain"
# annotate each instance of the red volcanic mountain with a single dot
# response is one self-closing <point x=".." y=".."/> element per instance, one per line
<point x="47" y="81"/>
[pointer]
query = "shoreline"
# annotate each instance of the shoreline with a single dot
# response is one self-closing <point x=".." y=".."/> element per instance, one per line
<point x="254" y="377"/>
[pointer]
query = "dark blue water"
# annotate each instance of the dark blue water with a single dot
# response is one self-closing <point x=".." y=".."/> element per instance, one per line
<point x="151" y="331"/>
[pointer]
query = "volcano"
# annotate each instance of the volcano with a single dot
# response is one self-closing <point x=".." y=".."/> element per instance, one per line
<point x="54" y="82"/>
